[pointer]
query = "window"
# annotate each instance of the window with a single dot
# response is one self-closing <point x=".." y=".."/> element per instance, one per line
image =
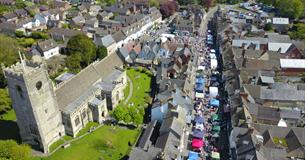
<point x="38" y="85"/>
<point x="76" y="121"/>
<point x="19" y="90"/>
<point x="84" y="114"/>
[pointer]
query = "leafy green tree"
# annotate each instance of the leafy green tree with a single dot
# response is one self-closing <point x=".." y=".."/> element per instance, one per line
<point x="26" y="42"/>
<point x="10" y="150"/>
<point x="39" y="35"/>
<point x="83" y="45"/>
<point x="268" y="27"/>
<point x="73" y="62"/>
<point x="291" y="8"/>
<point x="154" y="3"/>
<point x="137" y="119"/>
<point x="119" y="113"/>
<point x="110" y="2"/>
<point x="19" y="33"/>
<point x="5" y="101"/>
<point x="101" y="52"/>
<point x="8" y="54"/>
<point x="297" y="31"/>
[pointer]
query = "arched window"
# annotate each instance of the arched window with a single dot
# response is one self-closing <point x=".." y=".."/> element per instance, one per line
<point x="38" y="85"/>
<point x="19" y="90"/>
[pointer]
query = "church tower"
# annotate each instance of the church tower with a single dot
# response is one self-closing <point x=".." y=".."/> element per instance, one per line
<point x="33" y="98"/>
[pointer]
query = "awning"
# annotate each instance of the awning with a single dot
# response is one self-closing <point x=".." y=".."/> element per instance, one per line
<point x="199" y="126"/>
<point x="199" y="87"/>
<point x="200" y="80"/>
<point x="213" y="92"/>
<point x="214" y="102"/>
<point x="215" y="117"/>
<point x="197" y="143"/>
<point x="214" y="63"/>
<point x="199" y="119"/>
<point x="201" y="68"/>
<point x="215" y="155"/>
<point x="199" y="95"/>
<point x="213" y="56"/>
<point x="216" y="128"/>
<point x="193" y="156"/>
<point x="198" y="134"/>
<point x="215" y="135"/>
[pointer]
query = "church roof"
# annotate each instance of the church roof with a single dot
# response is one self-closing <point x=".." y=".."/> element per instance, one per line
<point x="70" y="90"/>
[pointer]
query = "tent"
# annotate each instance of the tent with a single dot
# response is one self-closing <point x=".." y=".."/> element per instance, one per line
<point x="214" y="63"/>
<point x="213" y="56"/>
<point x="215" y="117"/>
<point x="213" y="92"/>
<point x="193" y="156"/>
<point x="200" y="80"/>
<point x="198" y="134"/>
<point x="199" y="95"/>
<point x="199" y="87"/>
<point x="201" y="68"/>
<point x="212" y="51"/>
<point x="197" y="143"/>
<point x="199" y="126"/>
<point x="216" y="128"/>
<point x="215" y="135"/>
<point x="214" y="102"/>
<point x="199" y="119"/>
<point x="215" y="155"/>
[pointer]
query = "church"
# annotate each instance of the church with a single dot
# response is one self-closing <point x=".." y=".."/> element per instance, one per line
<point x="46" y="112"/>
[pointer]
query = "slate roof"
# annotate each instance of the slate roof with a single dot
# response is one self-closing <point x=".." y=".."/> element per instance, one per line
<point x="70" y="90"/>
<point x="173" y="125"/>
<point x="47" y="45"/>
<point x="107" y="40"/>
<point x="169" y="145"/>
<point x="118" y="36"/>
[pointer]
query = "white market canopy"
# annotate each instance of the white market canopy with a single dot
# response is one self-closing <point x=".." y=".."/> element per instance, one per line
<point x="214" y="63"/>
<point x="213" y="92"/>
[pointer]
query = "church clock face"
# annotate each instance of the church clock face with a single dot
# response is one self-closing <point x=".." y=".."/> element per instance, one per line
<point x="38" y="85"/>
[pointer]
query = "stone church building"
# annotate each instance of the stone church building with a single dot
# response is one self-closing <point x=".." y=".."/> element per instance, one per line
<point x="46" y="112"/>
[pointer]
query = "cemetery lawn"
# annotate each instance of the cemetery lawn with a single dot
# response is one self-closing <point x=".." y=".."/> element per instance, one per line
<point x="107" y="143"/>
<point x="141" y="86"/>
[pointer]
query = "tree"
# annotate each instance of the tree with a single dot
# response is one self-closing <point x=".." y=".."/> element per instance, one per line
<point x="8" y="54"/>
<point x="73" y="62"/>
<point x="297" y="31"/>
<point x="290" y="8"/>
<point x="83" y="45"/>
<point x="110" y="2"/>
<point x="268" y="27"/>
<point x="168" y="8"/>
<point x="154" y="3"/>
<point x="208" y="3"/>
<point x="137" y="119"/>
<point x="19" y="33"/>
<point x="119" y="113"/>
<point x="10" y="150"/>
<point x="39" y="35"/>
<point x="101" y="52"/>
<point x="5" y="101"/>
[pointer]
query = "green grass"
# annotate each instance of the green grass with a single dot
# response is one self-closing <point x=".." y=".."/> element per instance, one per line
<point x="87" y="128"/>
<point x="67" y="138"/>
<point x="56" y="144"/>
<point x="141" y="86"/>
<point x="9" y="115"/>
<point x="105" y="143"/>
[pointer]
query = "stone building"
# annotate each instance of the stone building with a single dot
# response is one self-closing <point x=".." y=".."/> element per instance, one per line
<point x="46" y="112"/>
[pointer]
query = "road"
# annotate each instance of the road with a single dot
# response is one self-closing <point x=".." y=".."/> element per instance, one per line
<point x="204" y="25"/>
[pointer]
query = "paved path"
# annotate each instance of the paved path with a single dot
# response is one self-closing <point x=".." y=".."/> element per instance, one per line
<point x="130" y="90"/>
